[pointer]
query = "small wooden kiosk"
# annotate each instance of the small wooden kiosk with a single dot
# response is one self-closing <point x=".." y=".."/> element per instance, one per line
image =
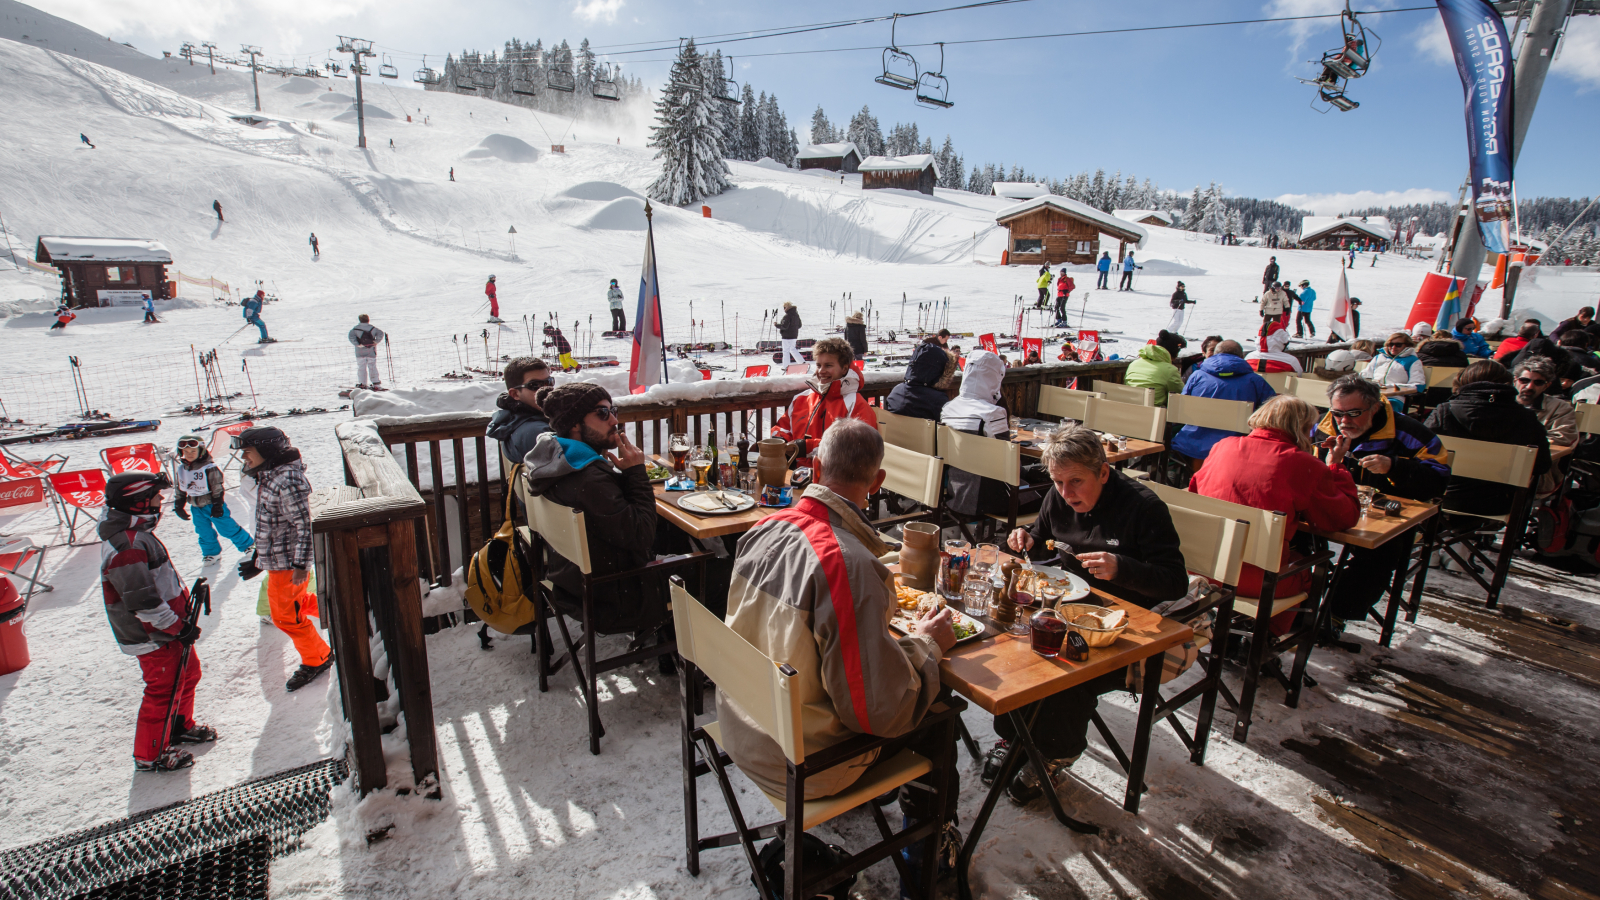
<point x="919" y="172"/>
<point x="840" y="157"/>
<point x="1050" y="229"/>
<point x="107" y="271"/>
<point x="1335" y="232"/>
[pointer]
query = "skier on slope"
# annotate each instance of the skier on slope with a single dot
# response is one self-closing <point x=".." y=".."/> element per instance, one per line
<point x="146" y="604"/>
<point x="1269" y="276"/>
<point x="1180" y="300"/>
<point x="366" y="337"/>
<point x="201" y="492"/>
<point x="1064" y="288"/>
<point x="494" y="300"/>
<point x="789" y="332"/>
<point x="316" y="250"/>
<point x="619" y="322"/>
<point x="563" y="348"/>
<point x="216" y="206"/>
<point x="1128" y="265"/>
<point x="150" y="310"/>
<point x="85" y="139"/>
<point x="1043" y="284"/>
<point x="252" y="314"/>
<point x="64" y="314"/>
<point x="1103" y="265"/>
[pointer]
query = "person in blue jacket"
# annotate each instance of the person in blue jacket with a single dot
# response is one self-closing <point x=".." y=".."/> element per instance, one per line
<point x="1227" y="376"/>
<point x="150" y="310"/>
<point x="252" y="314"/>
<point x="1128" y="266"/>
<point x="1308" y="298"/>
<point x="1472" y="343"/>
<point x="1104" y="265"/>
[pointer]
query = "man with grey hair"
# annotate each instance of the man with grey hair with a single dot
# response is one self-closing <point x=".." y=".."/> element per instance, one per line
<point x="1534" y="376"/>
<point x="809" y="591"/>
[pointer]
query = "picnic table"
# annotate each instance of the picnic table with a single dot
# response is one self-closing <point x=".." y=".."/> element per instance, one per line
<point x="1370" y="533"/>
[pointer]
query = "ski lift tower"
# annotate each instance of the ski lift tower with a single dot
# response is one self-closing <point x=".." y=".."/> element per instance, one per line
<point x="357" y="48"/>
<point x="253" y="52"/>
<point x="211" y="54"/>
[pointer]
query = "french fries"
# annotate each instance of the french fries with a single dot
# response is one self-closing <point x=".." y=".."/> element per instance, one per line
<point x="906" y="598"/>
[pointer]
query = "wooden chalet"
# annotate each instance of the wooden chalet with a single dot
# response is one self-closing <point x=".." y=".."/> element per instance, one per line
<point x="919" y="172"/>
<point x="1337" y="232"/>
<point x="840" y="157"/>
<point x="1144" y="217"/>
<point x="99" y="271"/>
<point x="1051" y="229"/>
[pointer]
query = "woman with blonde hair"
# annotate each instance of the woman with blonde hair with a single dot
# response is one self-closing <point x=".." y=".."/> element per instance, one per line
<point x="1274" y="467"/>
<point x="1398" y="366"/>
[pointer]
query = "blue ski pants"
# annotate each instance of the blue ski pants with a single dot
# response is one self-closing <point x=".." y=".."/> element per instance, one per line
<point x="262" y="326"/>
<point x="207" y="527"/>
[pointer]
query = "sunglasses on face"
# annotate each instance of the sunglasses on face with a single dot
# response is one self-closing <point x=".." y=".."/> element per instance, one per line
<point x="606" y="412"/>
<point x="1348" y="413"/>
<point x="536" y="383"/>
<point x="1535" y="382"/>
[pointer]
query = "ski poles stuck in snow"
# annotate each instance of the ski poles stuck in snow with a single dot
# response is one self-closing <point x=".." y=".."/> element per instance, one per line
<point x="245" y="365"/>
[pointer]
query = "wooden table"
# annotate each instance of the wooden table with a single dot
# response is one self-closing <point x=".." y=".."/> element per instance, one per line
<point x="1136" y="447"/>
<point x="1370" y="533"/>
<point x="702" y="527"/>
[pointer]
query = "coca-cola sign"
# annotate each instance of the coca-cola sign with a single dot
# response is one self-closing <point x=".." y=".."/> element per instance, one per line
<point x="21" y="493"/>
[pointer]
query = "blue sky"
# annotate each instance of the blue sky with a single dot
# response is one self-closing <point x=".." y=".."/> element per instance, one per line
<point x="1181" y="107"/>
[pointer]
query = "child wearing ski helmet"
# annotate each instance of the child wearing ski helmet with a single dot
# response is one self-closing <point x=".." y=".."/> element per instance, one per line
<point x="64" y="314"/>
<point x="619" y="322"/>
<point x="147" y="606"/>
<point x="283" y="544"/>
<point x="563" y="348"/>
<point x="201" y="491"/>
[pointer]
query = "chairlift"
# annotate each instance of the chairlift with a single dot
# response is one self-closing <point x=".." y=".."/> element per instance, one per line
<point x="899" y="67"/>
<point x="727" y="89"/>
<point x="559" y="77"/>
<point x="605" y="84"/>
<point x="426" y="75"/>
<point x="387" y="70"/>
<point x="1335" y="97"/>
<point x="337" y="71"/>
<point x="933" y="89"/>
<point x="1353" y="58"/>
<point x="483" y="80"/>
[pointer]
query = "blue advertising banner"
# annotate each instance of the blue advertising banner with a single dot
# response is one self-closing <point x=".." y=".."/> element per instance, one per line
<point x="1483" y="59"/>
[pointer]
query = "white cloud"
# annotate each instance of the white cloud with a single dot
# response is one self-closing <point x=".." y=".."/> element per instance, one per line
<point x="594" y="10"/>
<point x="1579" y="54"/>
<point x="1333" y="204"/>
<point x="1433" y="42"/>
<point x="1300" y="31"/>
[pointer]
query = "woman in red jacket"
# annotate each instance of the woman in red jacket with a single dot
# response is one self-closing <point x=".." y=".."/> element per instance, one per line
<point x="1273" y="467"/>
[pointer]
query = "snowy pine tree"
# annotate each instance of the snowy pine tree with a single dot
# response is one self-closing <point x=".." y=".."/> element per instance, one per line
<point x="821" y="128"/>
<point x="749" y="129"/>
<point x="865" y="133"/>
<point x="775" y="130"/>
<point x="686" y="135"/>
<point x="1097" y="190"/>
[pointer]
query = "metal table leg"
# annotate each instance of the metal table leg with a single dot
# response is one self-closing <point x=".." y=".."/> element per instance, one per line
<point x="1141" y="736"/>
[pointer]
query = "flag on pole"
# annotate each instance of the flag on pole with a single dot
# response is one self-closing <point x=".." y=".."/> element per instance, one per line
<point x="1449" y="307"/>
<point x="1339" y="317"/>
<point x="647" y="365"/>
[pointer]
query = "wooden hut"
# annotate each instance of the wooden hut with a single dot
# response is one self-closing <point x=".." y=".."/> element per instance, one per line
<point x="1336" y="232"/>
<point x="919" y="172"/>
<point x="1051" y="229"/>
<point x="840" y="157"/>
<point x="1144" y="217"/>
<point x="99" y="271"/>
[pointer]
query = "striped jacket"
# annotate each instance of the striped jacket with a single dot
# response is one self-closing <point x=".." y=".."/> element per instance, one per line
<point x="809" y="591"/>
<point x="145" y="598"/>
<point x="283" y="516"/>
<point x="1417" y="469"/>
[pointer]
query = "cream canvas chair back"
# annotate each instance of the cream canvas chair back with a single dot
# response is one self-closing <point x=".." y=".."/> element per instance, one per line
<point x="985" y="456"/>
<point x="1065" y="402"/>
<point x="1441" y="376"/>
<point x="909" y="432"/>
<point x="741" y="671"/>
<point x="1212" y="546"/>
<point x="1280" y="381"/>
<point x="1588" y="418"/>
<point x="1122" y="393"/>
<point x="1312" y="390"/>
<point x="1210" y="412"/>
<point x="1264" y="543"/>
<point x="1486" y="461"/>
<point x="1147" y="423"/>
<point x="562" y="527"/>
<point x="917" y="476"/>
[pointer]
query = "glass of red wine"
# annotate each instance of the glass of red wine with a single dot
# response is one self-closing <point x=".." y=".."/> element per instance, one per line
<point x="1024" y="592"/>
<point x="1046" y="631"/>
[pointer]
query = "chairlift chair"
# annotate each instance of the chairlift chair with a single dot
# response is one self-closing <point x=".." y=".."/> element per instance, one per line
<point x="426" y="75"/>
<point x="727" y="89"/>
<point x="465" y="85"/>
<point x="1353" y="58"/>
<point x="605" y="84"/>
<point x="483" y="80"/>
<point x="1335" y="97"/>
<point x="559" y="77"/>
<point x="933" y="89"/>
<point x="899" y="67"/>
<point x="387" y="70"/>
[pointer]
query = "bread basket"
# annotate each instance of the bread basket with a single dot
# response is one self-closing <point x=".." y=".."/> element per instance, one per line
<point x="1092" y="635"/>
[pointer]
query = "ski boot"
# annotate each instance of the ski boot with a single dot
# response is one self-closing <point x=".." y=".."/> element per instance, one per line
<point x="1025" y="787"/>
<point x="210" y="559"/>
<point x="195" y="733"/>
<point x="306" y="674"/>
<point x="171" y="760"/>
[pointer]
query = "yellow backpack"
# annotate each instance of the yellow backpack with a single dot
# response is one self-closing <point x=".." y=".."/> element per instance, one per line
<point x="496" y="576"/>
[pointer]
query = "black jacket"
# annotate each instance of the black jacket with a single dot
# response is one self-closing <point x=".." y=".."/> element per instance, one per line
<point x="1271" y="273"/>
<point x="1488" y="412"/>
<point x="1179" y="298"/>
<point x="1569" y="365"/>
<point x="516" y="426"/>
<point x="856" y="336"/>
<point x="789" y="325"/>
<point x="1129" y="521"/>
<point x="1441" y="353"/>
<point x="917" y="396"/>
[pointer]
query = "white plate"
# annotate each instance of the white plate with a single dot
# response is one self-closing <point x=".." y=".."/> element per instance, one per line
<point x="902" y="617"/>
<point x="705" y="503"/>
<point x="1079" y="588"/>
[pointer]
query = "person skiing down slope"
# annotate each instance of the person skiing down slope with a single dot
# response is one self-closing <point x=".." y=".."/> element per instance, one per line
<point x="216" y="206"/>
<point x="146" y="606"/>
<point x="366" y="337"/>
<point x="619" y="322"/>
<point x="85" y="139"/>
<point x="252" y="314"/>
<point x="316" y="250"/>
<point x="150" y="311"/>
<point x="494" y="301"/>
<point x="64" y="314"/>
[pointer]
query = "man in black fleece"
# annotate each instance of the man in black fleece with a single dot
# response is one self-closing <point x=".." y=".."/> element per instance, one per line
<point x="1485" y="408"/>
<point x="1116" y="534"/>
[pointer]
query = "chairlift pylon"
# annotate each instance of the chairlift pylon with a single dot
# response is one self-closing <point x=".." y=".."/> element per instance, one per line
<point x="559" y="76"/>
<point x="899" y="67"/>
<point x="933" y="89"/>
<point x="727" y="89"/>
<point x="387" y="70"/>
<point x="605" y="84"/>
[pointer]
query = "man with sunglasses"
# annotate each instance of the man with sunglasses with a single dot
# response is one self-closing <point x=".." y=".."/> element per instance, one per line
<point x="518" y="421"/>
<point x="1391" y="452"/>
<point x="1534" y="377"/>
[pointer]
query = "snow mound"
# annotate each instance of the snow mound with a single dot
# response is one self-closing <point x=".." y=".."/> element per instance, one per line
<point x="622" y="214"/>
<point x="372" y="112"/>
<point x="334" y="97"/>
<point x="300" y="86"/>
<point x="1170" y="267"/>
<point x="503" y="147"/>
<point x="767" y="162"/>
<point x="597" y="190"/>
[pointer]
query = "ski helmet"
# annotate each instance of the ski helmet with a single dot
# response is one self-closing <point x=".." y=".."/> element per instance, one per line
<point x="267" y="440"/>
<point x="133" y="492"/>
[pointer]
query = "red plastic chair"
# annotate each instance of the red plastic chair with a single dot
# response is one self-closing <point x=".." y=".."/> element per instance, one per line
<point x="1035" y="345"/>
<point x="132" y="458"/>
<point x="860" y="365"/>
<point x="80" y="492"/>
<point x="12" y="469"/>
<point x="26" y="468"/>
<point x="756" y="371"/>
<point x="220" y="440"/>
<point x="17" y="498"/>
<point x="797" y="369"/>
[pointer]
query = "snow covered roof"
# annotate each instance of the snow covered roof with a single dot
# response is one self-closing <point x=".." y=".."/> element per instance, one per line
<point x="1019" y="190"/>
<point x="1108" y="223"/>
<point x="828" y="151"/>
<point x="1139" y="215"/>
<point x="79" y="249"/>
<point x="1312" y="227"/>
<point x="914" y="163"/>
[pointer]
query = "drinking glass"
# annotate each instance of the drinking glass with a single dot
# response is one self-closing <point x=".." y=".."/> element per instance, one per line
<point x="1122" y="443"/>
<point x="954" y="561"/>
<point x="700" y="464"/>
<point x="1051" y="590"/>
<point x="1364" y="497"/>
<point x="678" y="446"/>
<point x="975" y="596"/>
<point x="1024" y="592"/>
<point x="985" y="562"/>
<point x="727" y="466"/>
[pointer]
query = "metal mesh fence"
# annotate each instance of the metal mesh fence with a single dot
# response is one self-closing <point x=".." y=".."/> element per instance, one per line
<point x="225" y="837"/>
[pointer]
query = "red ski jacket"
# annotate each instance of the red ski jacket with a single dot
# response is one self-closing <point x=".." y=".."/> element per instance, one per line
<point x="488" y="289"/>
<point x="806" y="419"/>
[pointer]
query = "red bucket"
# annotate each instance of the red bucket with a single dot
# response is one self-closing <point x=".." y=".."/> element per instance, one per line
<point x="13" y="635"/>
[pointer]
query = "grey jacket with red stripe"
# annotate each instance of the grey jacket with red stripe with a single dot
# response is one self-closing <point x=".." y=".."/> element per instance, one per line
<point x="145" y="597"/>
<point x="809" y="591"/>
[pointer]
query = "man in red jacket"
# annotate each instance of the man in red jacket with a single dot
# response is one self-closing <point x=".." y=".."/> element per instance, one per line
<point x="832" y="396"/>
<point x="494" y="300"/>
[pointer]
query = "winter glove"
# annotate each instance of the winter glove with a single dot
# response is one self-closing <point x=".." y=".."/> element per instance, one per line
<point x="299" y="576"/>
<point x="188" y="634"/>
<point x="182" y="509"/>
<point x="218" y="510"/>
<point x="248" y="568"/>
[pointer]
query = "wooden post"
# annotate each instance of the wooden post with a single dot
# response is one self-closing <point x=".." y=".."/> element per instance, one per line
<point x="411" y="670"/>
<point x="354" y="656"/>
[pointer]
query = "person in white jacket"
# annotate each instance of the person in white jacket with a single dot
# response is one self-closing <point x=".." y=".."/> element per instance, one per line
<point x="1397" y="366"/>
<point x="619" y="321"/>
<point x="366" y="337"/>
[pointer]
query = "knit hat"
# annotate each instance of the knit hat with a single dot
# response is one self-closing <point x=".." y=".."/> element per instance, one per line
<point x="855" y="318"/>
<point x="565" y="406"/>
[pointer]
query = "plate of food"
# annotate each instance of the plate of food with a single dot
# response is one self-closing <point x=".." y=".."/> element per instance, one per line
<point x="657" y="474"/>
<point x="1077" y="588"/>
<point x="716" y="503"/>
<point x="909" y="601"/>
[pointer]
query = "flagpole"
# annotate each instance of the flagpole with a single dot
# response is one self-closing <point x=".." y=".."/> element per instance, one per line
<point x="655" y="273"/>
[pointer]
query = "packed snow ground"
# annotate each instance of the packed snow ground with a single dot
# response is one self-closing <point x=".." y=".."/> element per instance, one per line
<point x="526" y="808"/>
